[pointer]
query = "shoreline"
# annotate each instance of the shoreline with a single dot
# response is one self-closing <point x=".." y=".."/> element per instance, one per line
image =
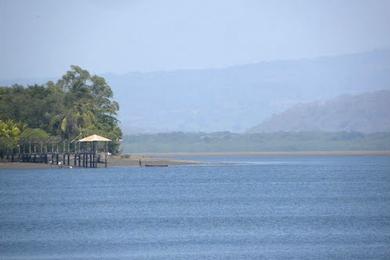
<point x="133" y="160"/>
<point x="168" y="159"/>
<point x="273" y="153"/>
<point x="115" y="161"/>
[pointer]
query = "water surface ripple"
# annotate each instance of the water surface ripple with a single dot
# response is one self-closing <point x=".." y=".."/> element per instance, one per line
<point x="228" y="208"/>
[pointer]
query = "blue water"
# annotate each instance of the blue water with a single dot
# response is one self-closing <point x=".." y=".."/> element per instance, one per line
<point x="228" y="208"/>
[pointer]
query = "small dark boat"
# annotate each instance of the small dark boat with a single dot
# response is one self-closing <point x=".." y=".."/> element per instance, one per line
<point x="156" y="165"/>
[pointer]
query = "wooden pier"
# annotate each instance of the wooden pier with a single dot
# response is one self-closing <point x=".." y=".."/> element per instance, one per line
<point x="82" y="159"/>
<point x="83" y="153"/>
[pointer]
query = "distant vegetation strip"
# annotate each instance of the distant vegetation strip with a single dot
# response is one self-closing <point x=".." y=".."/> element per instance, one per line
<point x="272" y="142"/>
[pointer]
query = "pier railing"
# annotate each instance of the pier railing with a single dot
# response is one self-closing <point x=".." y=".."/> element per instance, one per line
<point x="64" y="154"/>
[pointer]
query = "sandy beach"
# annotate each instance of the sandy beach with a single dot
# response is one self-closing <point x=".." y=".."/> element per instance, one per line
<point x="134" y="160"/>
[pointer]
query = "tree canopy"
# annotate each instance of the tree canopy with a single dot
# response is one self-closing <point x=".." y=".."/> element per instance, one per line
<point x="77" y="105"/>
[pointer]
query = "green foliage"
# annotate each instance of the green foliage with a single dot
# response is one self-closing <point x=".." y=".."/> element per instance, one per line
<point x="34" y="135"/>
<point x="10" y="133"/>
<point x="231" y="142"/>
<point x="77" y="105"/>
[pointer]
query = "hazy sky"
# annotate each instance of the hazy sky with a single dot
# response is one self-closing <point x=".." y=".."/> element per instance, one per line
<point x="42" y="38"/>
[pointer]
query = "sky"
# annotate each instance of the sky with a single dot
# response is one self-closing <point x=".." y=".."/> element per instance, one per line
<point x="42" y="38"/>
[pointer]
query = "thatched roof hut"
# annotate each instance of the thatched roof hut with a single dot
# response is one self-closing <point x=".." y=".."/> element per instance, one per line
<point x="94" y="138"/>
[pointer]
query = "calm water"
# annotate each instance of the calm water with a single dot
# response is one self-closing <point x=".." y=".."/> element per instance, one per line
<point x="242" y="208"/>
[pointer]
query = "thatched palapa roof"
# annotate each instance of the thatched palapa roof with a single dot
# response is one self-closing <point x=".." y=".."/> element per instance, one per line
<point x="94" y="138"/>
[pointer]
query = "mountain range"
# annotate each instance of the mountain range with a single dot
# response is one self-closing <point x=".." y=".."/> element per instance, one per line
<point x="365" y="113"/>
<point x="239" y="97"/>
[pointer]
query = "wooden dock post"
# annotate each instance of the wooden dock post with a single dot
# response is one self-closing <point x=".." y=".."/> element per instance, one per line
<point x="87" y="155"/>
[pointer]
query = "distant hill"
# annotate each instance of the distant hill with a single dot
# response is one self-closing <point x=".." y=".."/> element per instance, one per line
<point x="238" y="97"/>
<point x="365" y="113"/>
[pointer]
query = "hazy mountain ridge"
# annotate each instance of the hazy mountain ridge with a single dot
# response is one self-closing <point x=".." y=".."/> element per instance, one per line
<point x="365" y="113"/>
<point x="238" y="97"/>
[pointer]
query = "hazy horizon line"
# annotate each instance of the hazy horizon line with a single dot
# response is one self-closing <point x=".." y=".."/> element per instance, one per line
<point x="307" y="58"/>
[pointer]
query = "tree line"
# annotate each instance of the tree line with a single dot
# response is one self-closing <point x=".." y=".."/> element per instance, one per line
<point x="255" y="142"/>
<point x="77" y="105"/>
